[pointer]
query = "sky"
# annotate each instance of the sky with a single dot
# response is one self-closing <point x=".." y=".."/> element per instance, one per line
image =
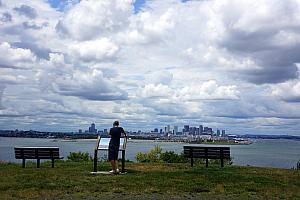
<point x="226" y="64"/>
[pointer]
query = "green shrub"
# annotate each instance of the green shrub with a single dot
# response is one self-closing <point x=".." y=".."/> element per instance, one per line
<point x="79" y="156"/>
<point x="156" y="155"/>
<point x="172" y="157"/>
<point x="152" y="156"/>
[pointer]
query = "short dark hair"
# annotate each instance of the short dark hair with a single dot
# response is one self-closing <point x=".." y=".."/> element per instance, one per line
<point x="116" y="123"/>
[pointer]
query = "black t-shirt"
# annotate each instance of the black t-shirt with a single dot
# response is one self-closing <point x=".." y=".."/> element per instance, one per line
<point x="115" y="135"/>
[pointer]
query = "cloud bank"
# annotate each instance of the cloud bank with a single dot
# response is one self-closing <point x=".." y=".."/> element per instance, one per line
<point x="222" y="63"/>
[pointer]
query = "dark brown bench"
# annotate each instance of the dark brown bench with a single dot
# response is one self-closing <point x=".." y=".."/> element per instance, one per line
<point x="37" y="153"/>
<point x="207" y="152"/>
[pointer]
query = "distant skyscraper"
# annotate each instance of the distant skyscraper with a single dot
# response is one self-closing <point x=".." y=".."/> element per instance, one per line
<point x="223" y="133"/>
<point x="92" y="128"/>
<point x="205" y="130"/>
<point x="192" y="130"/>
<point x="156" y="130"/>
<point x="168" y="129"/>
<point x="210" y="131"/>
<point x="175" y="130"/>
<point x="200" y="129"/>
<point x="218" y="132"/>
<point x="186" y="128"/>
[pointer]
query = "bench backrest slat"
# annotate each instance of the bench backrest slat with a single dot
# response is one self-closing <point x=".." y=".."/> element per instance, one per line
<point x="36" y="153"/>
<point x="207" y="152"/>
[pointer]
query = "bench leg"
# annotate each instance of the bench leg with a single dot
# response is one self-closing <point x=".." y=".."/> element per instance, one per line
<point x="52" y="162"/>
<point x="23" y="163"/>
<point x="206" y="162"/>
<point x="222" y="162"/>
<point x="123" y="161"/>
<point x="192" y="161"/>
<point x="38" y="163"/>
<point x="95" y="160"/>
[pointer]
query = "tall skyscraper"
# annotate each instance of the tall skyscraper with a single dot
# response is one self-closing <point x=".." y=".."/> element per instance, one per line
<point x="92" y="128"/>
<point x="175" y="130"/>
<point x="186" y="128"/>
<point x="223" y="133"/>
<point x="200" y="129"/>
<point x="168" y="129"/>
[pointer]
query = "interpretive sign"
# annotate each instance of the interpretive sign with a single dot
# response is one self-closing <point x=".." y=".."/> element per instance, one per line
<point x="102" y="144"/>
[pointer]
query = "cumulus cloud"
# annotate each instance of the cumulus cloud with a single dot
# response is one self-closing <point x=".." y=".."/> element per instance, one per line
<point x="251" y="31"/>
<point x="156" y="91"/>
<point x="91" y="86"/>
<point x="147" y="27"/>
<point x="95" y="50"/>
<point x="10" y="79"/>
<point x="160" y="77"/>
<point x="288" y="91"/>
<point x="26" y="11"/>
<point x="15" y="56"/>
<point x="209" y="90"/>
<point x="89" y="19"/>
<point x="6" y="17"/>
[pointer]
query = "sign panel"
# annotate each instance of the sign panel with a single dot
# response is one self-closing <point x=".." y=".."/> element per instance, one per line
<point x="104" y="143"/>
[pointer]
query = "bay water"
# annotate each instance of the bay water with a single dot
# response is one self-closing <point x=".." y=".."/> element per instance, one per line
<point x="261" y="153"/>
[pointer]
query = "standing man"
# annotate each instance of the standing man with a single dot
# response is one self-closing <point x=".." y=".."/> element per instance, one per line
<point x="114" y="144"/>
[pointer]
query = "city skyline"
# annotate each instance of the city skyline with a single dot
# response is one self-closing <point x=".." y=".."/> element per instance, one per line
<point x="165" y="130"/>
<point x="150" y="63"/>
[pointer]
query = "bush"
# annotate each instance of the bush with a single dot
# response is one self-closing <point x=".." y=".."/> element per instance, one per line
<point x="156" y="155"/>
<point x="172" y="157"/>
<point x="79" y="156"/>
<point x="152" y="156"/>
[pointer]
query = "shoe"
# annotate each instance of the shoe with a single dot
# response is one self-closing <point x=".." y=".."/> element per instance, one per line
<point x="112" y="172"/>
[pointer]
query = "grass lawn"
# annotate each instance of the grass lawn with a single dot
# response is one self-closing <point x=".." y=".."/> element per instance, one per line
<point x="72" y="180"/>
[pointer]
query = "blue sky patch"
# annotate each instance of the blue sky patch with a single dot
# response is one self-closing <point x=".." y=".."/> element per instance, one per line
<point x="138" y="4"/>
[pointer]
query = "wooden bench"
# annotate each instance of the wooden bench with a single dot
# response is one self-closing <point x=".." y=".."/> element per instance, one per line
<point x="207" y="152"/>
<point x="37" y="153"/>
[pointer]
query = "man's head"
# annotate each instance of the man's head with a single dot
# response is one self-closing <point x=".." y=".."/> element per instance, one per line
<point x="116" y="123"/>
